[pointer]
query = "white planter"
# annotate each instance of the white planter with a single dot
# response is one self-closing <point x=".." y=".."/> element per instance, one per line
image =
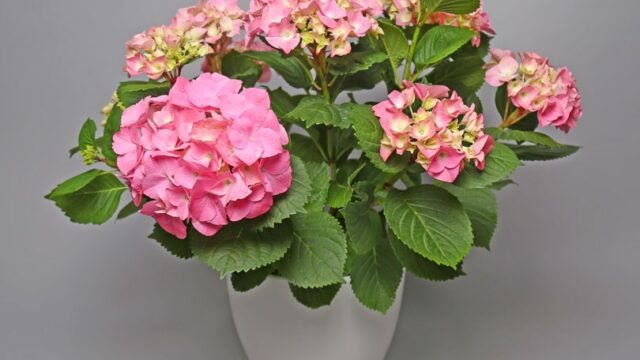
<point x="272" y="325"/>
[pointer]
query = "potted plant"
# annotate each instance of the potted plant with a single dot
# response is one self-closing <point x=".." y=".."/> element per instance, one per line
<point x="308" y="190"/>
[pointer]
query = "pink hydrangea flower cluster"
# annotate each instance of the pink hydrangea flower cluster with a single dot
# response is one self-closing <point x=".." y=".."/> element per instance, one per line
<point x="206" y="154"/>
<point x="534" y="85"/>
<point x="477" y="21"/>
<point x="440" y="131"/>
<point x="405" y="13"/>
<point x="320" y="24"/>
<point x="194" y="32"/>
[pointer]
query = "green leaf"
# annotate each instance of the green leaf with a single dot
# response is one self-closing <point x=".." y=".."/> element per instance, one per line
<point x="528" y="123"/>
<point x="543" y="153"/>
<point x="355" y="62"/>
<point x="319" y="175"/>
<point x="501" y="100"/>
<point x="177" y="247"/>
<point x="127" y="211"/>
<point x="319" y="251"/>
<point x="369" y="134"/>
<point x="395" y="42"/>
<point x="363" y="80"/>
<point x="289" y="203"/>
<point x="364" y="226"/>
<point x="530" y="137"/>
<point x="90" y="198"/>
<point x="503" y="184"/>
<point x="465" y="71"/>
<point x="282" y="103"/>
<point x="239" y="66"/>
<point x="460" y="7"/>
<point x="439" y="43"/>
<point x="339" y="195"/>
<point x="501" y="163"/>
<point x="313" y="110"/>
<point x="249" y="280"/>
<point x="482" y="209"/>
<point x="305" y="148"/>
<point x="111" y="127"/>
<point x="290" y="68"/>
<point x="431" y="222"/>
<point x="87" y="136"/>
<point x="315" y="298"/>
<point x="236" y="248"/>
<point x="131" y="92"/>
<point x="420" y="266"/>
<point x="375" y="277"/>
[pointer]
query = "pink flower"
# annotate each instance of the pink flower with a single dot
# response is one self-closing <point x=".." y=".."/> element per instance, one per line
<point x="194" y="32"/>
<point x="446" y="164"/>
<point x="505" y="71"/>
<point x="321" y="24"/>
<point x="207" y="154"/>
<point x="440" y="131"/>
<point x="283" y="36"/>
<point x="534" y="85"/>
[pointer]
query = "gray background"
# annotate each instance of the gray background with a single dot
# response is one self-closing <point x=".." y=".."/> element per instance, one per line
<point x="562" y="281"/>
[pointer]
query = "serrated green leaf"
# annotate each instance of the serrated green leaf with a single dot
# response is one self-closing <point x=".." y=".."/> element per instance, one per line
<point x="87" y="136"/>
<point x="315" y="298"/>
<point x="282" y="103"/>
<point x="249" y="280"/>
<point x="236" y="65"/>
<point x="289" y="203"/>
<point x="543" y="153"/>
<point x="290" y="68"/>
<point x="482" y="209"/>
<point x="419" y="265"/>
<point x="369" y="134"/>
<point x="236" y="248"/>
<point x="319" y="251"/>
<point x="111" y="127"/>
<point x="339" y="195"/>
<point x="175" y="246"/>
<point x="501" y="163"/>
<point x="319" y="175"/>
<point x="439" y="43"/>
<point x="431" y="222"/>
<point x="131" y="92"/>
<point x="355" y="61"/>
<point x="90" y="198"/>
<point x="529" y="137"/>
<point x="395" y="42"/>
<point x="460" y="7"/>
<point x="375" y="277"/>
<point x="127" y="211"/>
<point x="313" y="110"/>
<point x="364" y="226"/>
<point x="306" y="148"/>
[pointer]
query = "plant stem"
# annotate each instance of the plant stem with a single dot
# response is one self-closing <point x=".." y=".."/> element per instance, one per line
<point x="407" y="68"/>
<point x="321" y="68"/>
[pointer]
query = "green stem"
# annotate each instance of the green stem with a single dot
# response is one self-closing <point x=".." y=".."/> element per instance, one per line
<point x="321" y="68"/>
<point x="407" y="68"/>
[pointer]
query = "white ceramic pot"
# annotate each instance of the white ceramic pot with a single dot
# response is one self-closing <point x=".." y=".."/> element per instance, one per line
<point x="272" y="325"/>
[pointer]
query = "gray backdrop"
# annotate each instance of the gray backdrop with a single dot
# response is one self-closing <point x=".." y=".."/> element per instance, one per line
<point x="562" y="281"/>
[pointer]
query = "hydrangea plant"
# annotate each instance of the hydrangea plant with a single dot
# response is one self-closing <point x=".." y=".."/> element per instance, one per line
<point x="308" y="183"/>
